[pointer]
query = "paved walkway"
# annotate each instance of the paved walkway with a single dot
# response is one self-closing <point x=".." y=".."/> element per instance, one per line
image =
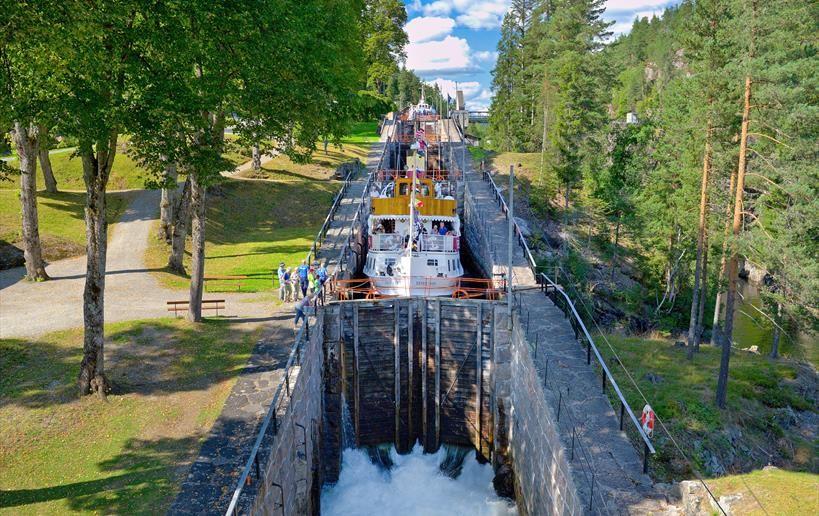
<point x="572" y="384"/>
<point x="213" y="476"/>
<point x="29" y="309"/>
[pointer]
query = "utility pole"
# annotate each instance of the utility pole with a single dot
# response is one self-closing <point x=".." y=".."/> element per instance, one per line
<point x="510" y="216"/>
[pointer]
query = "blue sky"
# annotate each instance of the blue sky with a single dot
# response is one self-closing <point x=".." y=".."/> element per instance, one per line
<point x="454" y="41"/>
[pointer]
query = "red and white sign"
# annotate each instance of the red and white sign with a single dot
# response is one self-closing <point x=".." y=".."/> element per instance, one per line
<point x="647" y="420"/>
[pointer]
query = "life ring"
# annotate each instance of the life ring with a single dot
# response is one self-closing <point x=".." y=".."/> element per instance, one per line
<point x="647" y="420"/>
<point x="460" y="294"/>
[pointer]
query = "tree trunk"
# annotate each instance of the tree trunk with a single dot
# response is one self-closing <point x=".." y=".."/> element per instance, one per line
<point x="703" y="297"/>
<point x="167" y="203"/>
<point x="257" y="159"/>
<point x="723" y="263"/>
<point x="566" y="205"/>
<point x="45" y="162"/>
<point x="197" y="248"/>
<point x="616" y="244"/>
<point x="701" y="228"/>
<point x="26" y="140"/>
<point x="777" y="331"/>
<point x="181" y="215"/>
<point x="733" y="264"/>
<point x="96" y="171"/>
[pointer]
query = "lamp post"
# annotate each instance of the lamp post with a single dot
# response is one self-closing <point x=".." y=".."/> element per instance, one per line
<point x="510" y="249"/>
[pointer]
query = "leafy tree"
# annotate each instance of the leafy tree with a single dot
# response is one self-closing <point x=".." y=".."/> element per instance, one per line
<point x="266" y="81"/>
<point x="384" y="40"/>
<point x="28" y="84"/>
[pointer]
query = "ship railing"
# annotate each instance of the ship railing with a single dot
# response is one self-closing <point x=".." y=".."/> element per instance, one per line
<point x="458" y="288"/>
<point x="386" y="242"/>
<point x="434" y="174"/>
<point x="440" y="243"/>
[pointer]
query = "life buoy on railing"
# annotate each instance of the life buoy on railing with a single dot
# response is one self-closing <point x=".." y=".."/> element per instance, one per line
<point x="460" y="294"/>
<point x="647" y="420"/>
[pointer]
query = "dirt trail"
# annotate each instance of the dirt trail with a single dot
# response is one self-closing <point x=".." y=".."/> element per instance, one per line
<point x="30" y="309"/>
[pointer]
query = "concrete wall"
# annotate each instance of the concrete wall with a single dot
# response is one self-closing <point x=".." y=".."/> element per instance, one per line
<point x="527" y="432"/>
<point x="289" y="457"/>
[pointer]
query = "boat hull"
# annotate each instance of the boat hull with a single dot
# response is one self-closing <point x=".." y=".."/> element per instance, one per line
<point x="404" y="286"/>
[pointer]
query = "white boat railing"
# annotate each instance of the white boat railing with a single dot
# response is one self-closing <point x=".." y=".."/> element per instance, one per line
<point x="386" y="242"/>
<point x="439" y="243"/>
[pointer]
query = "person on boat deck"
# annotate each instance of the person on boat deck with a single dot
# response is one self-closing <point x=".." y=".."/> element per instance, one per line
<point x="301" y="309"/>
<point x="435" y="229"/>
<point x="303" y="270"/>
<point x="442" y="230"/>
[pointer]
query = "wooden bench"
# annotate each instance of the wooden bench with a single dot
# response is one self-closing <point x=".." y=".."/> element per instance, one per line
<point x="217" y="278"/>
<point x="207" y="304"/>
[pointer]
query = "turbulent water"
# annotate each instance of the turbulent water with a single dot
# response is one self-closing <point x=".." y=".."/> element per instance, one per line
<point x="413" y="485"/>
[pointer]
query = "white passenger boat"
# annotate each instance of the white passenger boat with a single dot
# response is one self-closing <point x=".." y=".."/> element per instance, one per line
<point x="414" y="233"/>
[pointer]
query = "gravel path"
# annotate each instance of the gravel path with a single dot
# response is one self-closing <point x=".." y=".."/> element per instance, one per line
<point x="29" y="309"/>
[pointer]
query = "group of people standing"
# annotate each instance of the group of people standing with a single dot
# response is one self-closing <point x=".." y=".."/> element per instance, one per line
<point x="305" y="279"/>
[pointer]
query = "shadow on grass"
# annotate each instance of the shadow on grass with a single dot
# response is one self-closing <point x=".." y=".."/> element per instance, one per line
<point x="154" y="357"/>
<point x="146" y="474"/>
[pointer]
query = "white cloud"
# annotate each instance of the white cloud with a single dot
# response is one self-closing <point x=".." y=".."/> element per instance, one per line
<point x="450" y="54"/>
<point x="474" y="14"/>
<point x="475" y="95"/>
<point x="440" y="7"/>
<point x="425" y="28"/>
<point x="484" y="14"/>
<point x="613" y="6"/>
<point x="486" y="56"/>
<point x="471" y="89"/>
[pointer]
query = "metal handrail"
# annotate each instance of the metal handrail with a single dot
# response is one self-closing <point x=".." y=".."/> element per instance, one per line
<point x="270" y="416"/>
<point x="600" y="360"/>
<point x="579" y="321"/>
<point x="301" y="335"/>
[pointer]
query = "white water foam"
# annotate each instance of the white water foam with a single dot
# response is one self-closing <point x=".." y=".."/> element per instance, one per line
<point x="413" y="486"/>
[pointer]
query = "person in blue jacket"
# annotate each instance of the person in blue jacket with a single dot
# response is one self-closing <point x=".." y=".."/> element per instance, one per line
<point x="303" y="270"/>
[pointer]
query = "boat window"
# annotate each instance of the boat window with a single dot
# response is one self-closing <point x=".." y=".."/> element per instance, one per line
<point x="390" y="261"/>
<point x="448" y="265"/>
<point x="432" y="263"/>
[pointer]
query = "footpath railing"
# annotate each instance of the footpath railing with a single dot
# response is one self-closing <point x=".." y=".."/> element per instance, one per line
<point x="559" y="297"/>
<point x="253" y="469"/>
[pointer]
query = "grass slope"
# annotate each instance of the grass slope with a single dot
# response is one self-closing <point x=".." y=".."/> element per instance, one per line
<point x="251" y="227"/>
<point x="62" y="223"/>
<point x="128" y="455"/>
<point x="125" y="174"/>
<point x="756" y="427"/>
<point x="255" y="222"/>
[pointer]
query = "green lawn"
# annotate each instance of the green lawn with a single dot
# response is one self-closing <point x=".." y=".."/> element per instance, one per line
<point x="770" y="491"/>
<point x="251" y="227"/>
<point x="62" y="226"/>
<point x="760" y="392"/>
<point x="125" y="174"/>
<point x="322" y="164"/>
<point x="126" y="455"/>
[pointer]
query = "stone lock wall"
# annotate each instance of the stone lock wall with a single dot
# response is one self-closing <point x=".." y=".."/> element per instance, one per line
<point x="526" y="430"/>
<point x="290" y="455"/>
